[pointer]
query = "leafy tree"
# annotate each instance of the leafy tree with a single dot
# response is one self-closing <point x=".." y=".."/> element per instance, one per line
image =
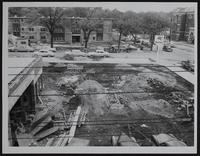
<point x="134" y="24"/>
<point x="89" y="24"/>
<point x="153" y="24"/>
<point x="122" y="25"/>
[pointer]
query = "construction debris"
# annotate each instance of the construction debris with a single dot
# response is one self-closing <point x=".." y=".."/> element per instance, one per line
<point x="41" y="125"/>
<point x="167" y="140"/>
<point x="79" y="142"/>
<point x="123" y="140"/>
<point x="96" y="103"/>
<point x="75" y="123"/>
<point x="46" y="133"/>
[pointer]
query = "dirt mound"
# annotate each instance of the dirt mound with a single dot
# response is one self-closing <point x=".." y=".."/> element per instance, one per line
<point x="157" y="107"/>
<point x="95" y="103"/>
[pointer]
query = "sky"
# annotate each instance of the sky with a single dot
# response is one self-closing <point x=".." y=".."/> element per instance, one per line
<point x="135" y="6"/>
<point x="121" y="6"/>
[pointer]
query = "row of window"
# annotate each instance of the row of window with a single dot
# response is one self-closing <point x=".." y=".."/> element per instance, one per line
<point x="32" y="29"/>
<point x="59" y="38"/>
<point x="32" y="37"/>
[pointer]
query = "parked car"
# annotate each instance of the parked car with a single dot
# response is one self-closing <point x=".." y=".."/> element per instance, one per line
<point x="172" y="45"/>
<point x="98" y="53"/>
<point x="11" y="49"/>
<point x="75" y="52"/>
<point x="123" y="48"/>
<point x="21" y="49"/>
<point x="44" y="53"/>
<point x="167" y="140"/>
<point x="52" y="49"/>
<point x="167" y="48"/>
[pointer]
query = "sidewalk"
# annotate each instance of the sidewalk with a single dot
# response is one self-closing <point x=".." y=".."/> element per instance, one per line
<point x="105" y="60"/>
<point x="183" y="73"/>
<point x="183" y="43"/>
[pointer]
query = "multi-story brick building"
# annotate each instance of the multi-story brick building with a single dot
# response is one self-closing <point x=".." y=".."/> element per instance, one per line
<point x="18" y="26"/>
<point x="183" y="24"/>
<point x="68" y="31"/>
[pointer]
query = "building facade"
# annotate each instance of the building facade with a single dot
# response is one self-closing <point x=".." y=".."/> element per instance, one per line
<point x="182" y="20"/>
<point x="68" y="31"/>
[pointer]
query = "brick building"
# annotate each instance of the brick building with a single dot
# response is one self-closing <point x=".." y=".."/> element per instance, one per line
<point x="182" y="20"/>
<point x="67" y="32"/>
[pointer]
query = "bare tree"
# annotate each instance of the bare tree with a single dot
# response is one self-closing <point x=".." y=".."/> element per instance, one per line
<point x="49" y="17"/>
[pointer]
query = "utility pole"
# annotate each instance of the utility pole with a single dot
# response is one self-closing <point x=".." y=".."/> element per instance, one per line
<point x="159" y="46"/>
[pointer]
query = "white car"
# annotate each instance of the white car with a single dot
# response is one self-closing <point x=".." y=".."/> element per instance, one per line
<point x="52" y="49"/>
<point x="167" y="140"/>
<point x="21" y="49"/>
<point x="75" y="53"/>
<point x="44" y="53"/>
<point x="98" y="53"/>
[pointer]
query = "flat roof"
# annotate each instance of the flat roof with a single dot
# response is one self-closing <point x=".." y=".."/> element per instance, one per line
<point x="16" y="65"/>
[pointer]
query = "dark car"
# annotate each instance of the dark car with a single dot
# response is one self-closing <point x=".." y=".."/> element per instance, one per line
<point x="167" y="48"/>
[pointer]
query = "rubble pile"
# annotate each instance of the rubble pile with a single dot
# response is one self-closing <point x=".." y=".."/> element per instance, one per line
<point x="181" y="103"/>
<point x="96" y="103"/>
<point x="157" y="107"/>
<point x="157" y="84"/>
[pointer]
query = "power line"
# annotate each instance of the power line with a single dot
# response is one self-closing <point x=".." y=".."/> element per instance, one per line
<point x="96" y="73"/>
<point x="96" y="135"/>
<point x="95" y="65"/>
<point x="114" y="122"/>
<point x="110" y="92"/>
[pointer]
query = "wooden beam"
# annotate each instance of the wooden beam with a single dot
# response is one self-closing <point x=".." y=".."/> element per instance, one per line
<point x="75" y="123"/>
<point x="61" y="138"/>
<point x="46" y="133"/>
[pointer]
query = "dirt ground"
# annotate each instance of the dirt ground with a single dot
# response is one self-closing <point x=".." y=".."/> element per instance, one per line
<point x="141" y="114"/>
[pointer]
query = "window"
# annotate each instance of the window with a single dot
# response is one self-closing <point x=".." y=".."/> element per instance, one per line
<point x="22" y="29"/>
<point x="31" y="37"/>
<point x="75" y="28"/>
<point x="43" y="37"/>
<point x="23" y="42"/>
<point x="31" y="29"/>
<point x="99" y="36"/>
<point x="42" y="29"/>
<point x="22" y="20"/>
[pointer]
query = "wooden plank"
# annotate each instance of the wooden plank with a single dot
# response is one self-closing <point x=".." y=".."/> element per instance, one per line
<point x="39" y="117"/>
<point x="41" y="125"/>
<point x="65" y="141"/>
<point x="61" y="138"/>
<point x="46" y="133"/>
<point x="50" y="141"/>
<point x="75" y="123"/>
